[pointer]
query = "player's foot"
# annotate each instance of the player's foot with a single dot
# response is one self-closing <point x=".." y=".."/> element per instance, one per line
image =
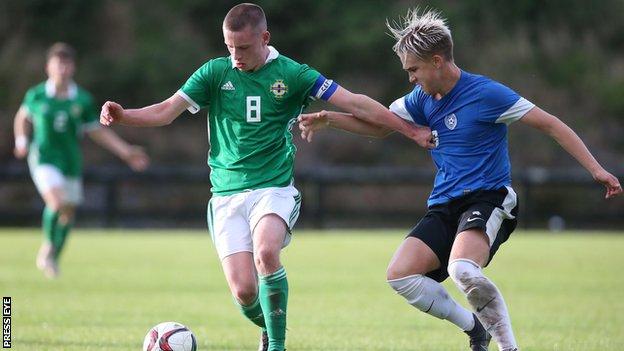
<point x="479" y="337"/>
<point x="44" y="255"/>
<point x="264" y="341"/>
<point x="51" y="270"/>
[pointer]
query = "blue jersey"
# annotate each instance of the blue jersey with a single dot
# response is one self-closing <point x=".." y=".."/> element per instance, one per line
<point x="471" y="126"/>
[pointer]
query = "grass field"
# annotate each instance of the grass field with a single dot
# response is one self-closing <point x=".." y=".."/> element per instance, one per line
<point x="565" y="292"/>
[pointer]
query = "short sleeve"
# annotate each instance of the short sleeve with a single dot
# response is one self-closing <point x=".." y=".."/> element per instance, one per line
<point x="408" y="108"/>
<point x="500" y="104"/>
<point x="89" y="116"/>
<point x="196" y="90"/>
<point x="314" y="85"/>
<point x="28" y="102"/>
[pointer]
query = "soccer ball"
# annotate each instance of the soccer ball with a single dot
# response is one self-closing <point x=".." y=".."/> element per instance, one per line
<point x="169" y="336"/>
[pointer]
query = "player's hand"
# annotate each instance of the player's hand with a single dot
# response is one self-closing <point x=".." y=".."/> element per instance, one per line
<point x="136" y="158"/>
<point x="610" y="182"/>
<point x="311" y="122"/>
<point x="111" y="112"/>
<point x="424" y="137"/>
<point x="20" y="152"/>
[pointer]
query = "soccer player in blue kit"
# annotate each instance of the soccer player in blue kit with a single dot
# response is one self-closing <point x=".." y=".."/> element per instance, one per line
<point x="472" y="209"/>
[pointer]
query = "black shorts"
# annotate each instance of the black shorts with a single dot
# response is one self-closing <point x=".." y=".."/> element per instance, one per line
<point x="493" y="211"/>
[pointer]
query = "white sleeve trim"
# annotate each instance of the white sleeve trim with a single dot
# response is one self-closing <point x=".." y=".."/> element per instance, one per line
<point x="399" y="109"/>
<point x="515" y="112"/>
<point x="28" y="113"/>
<point x="194" y="108"/>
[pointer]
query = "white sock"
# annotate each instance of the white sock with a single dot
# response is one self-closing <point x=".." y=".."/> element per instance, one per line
<point x="486" y="300"/>
<point x="430" y="297"/>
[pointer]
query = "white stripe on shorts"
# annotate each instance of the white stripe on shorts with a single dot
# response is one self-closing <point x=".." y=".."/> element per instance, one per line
<point x="499" y="215"/>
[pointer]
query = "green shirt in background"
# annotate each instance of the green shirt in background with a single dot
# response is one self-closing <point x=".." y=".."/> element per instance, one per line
<point x="58" y="125"/>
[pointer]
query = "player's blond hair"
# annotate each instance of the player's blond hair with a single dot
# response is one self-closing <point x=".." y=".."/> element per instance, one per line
<point x="422" y="35"/>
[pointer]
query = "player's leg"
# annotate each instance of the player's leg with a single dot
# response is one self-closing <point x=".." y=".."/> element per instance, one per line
<point x="482" y="229"/>
<point x="269" y="237"/>
<point x="73" y="197"/>
<point x="274" y="213"/>
<point x="50" y="183"/>
<point x="417" y="261"/>
<point x="230" y="233"/>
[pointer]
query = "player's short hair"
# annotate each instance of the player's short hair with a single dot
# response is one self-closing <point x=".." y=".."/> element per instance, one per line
<point x="61" y="50"/>
<point x="243" y="15"/>
<point x="422" y="35"/>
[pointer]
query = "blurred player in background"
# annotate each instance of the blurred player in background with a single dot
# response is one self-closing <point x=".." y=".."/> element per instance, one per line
<point x="472" y="208"/>
<point x="253" y="98"/>
<point x="59" y="111"/>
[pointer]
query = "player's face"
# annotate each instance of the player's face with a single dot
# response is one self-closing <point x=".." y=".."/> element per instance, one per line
<point x="60" y="70"/>
<point x="247" y="47"/>
<point x="423" y="73"/>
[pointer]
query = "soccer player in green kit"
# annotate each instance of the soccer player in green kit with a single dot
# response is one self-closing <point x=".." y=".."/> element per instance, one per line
<point x="253" y="98"/>
<point x="59" y="111"/>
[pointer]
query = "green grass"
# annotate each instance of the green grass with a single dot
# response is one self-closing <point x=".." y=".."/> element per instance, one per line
<point x="565" y="292"/>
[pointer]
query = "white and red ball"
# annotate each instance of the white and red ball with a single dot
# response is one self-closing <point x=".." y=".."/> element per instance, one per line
<point x="169" y="336"/>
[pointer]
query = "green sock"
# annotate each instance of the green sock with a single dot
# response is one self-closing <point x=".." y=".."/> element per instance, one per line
<point x="253" y="312"/>
<point x="274" y="299"/>
<point x="49" y="221"/>
<point x="60" y="234"/>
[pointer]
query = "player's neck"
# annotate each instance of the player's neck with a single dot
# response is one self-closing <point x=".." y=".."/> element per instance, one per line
<point x="61" y="88"/>
<point x="450" y="77"/>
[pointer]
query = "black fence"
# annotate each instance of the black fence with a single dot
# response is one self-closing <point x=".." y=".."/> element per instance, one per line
<point x="333" y="197"/>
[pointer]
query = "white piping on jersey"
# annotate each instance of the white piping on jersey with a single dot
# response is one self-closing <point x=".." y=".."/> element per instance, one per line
<point x="515" y="112"/>
<point x="50" y="89"/>
<point x="194" y="108"/>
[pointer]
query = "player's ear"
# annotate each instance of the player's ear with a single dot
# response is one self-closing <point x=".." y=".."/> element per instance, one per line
<point x="266" y="37"/>
<point x="437" y="61"/>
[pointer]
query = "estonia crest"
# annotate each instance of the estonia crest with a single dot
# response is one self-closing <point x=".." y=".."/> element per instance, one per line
<point x="450" y="121"/>
<point x="279" y="88"/>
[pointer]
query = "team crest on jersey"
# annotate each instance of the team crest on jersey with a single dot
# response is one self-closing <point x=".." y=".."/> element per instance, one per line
<point x="279" y="88"/>
<point x="76" y="110"/>
<point x="450" y="121"/>
<point x="44" y="108"/>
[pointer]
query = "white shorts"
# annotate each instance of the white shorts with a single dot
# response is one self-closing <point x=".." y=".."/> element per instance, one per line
<point x="47" y="177"/>
<point x="232" y="218"/>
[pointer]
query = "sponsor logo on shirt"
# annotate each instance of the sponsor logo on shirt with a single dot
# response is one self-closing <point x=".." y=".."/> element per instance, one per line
<point x="228" y="86"/>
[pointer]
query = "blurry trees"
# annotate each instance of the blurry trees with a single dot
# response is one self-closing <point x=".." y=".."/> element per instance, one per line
<point x="566" y="56"/>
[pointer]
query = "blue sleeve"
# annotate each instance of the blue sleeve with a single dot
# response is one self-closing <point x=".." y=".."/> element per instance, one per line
<point x="414" y="105"/>
<point x="497" y="101"/>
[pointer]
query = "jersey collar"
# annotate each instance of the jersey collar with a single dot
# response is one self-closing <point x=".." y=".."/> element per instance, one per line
<point x="50" y="89"/>
<point x="273" y="54"/>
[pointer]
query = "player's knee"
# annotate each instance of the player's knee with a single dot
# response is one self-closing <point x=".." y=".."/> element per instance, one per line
<point x="266" y="260"/>
<point x="405" y="284"/>
<point x="245" y="294"/>
<point x="66" y="216"/>
<point x="464" y="272"/>
<point x="398" y="271"/>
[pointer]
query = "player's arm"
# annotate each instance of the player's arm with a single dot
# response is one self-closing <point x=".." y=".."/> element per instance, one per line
<point x="21" y="129"/>
<point x="309" y="123"/>
<point x="133" y="155"/>
<point x="371" y="111"/>
<point x="570" y="141"/>
<point x="156" y="115"/>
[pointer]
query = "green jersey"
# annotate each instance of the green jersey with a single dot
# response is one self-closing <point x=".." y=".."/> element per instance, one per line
<point x="250" y="115"/>
<point x="58" y="125"/>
